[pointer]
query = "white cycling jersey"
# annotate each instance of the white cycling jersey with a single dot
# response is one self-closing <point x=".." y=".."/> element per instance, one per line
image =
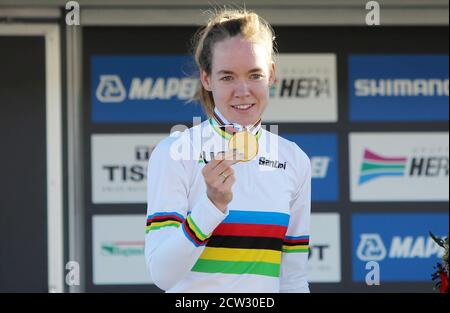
<point x="260" y="244"/>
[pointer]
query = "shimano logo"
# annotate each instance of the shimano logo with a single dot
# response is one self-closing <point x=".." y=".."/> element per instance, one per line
<point x="401" y="87"/>
<point x="110" y="89"/>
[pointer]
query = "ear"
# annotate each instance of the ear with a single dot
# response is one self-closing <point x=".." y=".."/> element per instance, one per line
<point x="272" y="74"/>
<point x="205" y="79"/>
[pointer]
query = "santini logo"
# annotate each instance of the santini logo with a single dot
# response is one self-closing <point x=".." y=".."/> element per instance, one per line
<point x="275" y="164"/>
<point x="374" y="166"/>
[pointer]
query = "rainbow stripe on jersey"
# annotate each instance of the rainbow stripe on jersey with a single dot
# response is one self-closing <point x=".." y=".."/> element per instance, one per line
<point x="249" y="242"/>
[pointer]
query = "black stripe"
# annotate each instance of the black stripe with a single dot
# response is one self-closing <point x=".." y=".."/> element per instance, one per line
<point x="245" y="242"/>
<point x="192" y="233"/>
<point x="295" y="244"/>
<point x="163" y="220"/>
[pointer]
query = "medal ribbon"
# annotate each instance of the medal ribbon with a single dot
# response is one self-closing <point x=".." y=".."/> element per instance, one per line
<point x="227" y="130"/>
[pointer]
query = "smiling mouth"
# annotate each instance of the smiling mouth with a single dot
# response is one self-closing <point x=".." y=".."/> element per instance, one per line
<point x="243" y="107"/>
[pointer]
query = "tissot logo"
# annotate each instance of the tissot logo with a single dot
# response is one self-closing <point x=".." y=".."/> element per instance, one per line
<point x="275" y="164"/>
<point x="110" y="89"/>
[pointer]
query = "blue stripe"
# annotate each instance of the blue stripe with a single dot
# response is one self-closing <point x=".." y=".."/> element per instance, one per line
<point x="365" y="178"/>
<point x="251" y="217"/>
<point x="166" y="213"/>
<point x="296" y="237"/>
<point x="189" y="237"/>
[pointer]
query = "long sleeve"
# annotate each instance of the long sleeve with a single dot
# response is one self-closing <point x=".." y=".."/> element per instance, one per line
<point x="175" y="234"/>
<point x="293" y="277"/>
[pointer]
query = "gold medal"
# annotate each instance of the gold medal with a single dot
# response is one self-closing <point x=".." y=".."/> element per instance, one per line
<point x="245" y="143"/>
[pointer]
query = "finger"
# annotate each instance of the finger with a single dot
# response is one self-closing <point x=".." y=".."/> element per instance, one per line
<point x="228" y="158"/>
<point x="229" y="182"/>
<point x="219" y="157"/>
<point x="222" y="177"/>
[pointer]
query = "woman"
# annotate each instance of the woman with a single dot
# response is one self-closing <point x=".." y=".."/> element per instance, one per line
<point x="236" y="219"/>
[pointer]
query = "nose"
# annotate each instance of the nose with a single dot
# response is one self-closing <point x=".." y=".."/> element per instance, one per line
<point x="241" y="89"/>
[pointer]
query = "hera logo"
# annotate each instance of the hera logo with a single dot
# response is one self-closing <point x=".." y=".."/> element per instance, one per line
<point x="371" y="248"/>
<point x="374" y="166"/>
<point x="110" y="89"/>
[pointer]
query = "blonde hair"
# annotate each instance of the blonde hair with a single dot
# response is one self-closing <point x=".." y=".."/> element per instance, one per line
<point x="223" y="24"/>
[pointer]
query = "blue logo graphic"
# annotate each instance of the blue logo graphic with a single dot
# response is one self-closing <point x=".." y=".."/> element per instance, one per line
<point x="322" y="151"/>
<point x="400" y="243"/>
<point x="398" y="87"/>
<point x="138" y="89"/>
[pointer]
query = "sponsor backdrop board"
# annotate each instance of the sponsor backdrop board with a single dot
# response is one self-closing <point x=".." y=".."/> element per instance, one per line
<point x="322" y="151"/>
<point x="324" y="265"/>
<point x="305" y="89"/>
<point x="369" y="106"/>
<point x="119" y="166"/>
<point x="398" y="87"/>
<point x="399" y="242"/>
<point x="399" y="166"/>
<point x="133" y="89"/>
<point x="118" y="250"/>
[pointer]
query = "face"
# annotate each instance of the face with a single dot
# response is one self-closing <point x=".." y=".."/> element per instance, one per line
<point x="241" y="74"/>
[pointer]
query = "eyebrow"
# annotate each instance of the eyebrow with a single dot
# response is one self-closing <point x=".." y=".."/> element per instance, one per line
<point x="253" y="70"/>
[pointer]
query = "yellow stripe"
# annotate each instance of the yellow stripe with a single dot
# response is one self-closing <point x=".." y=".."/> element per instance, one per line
<point x="235" y="254"/>
<point x="196" y="229"/>
<point x="302" y="248"/>
<point x="162" y="224"/>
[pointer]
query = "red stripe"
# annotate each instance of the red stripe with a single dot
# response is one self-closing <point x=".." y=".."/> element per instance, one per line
<point x="163" y="218"/>
<point x="251" y="230"/>
<point x="296" y="241"/>
<point x="190" y="233"/>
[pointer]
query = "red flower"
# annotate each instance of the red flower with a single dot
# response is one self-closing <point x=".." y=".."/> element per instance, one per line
<point x="443" y="288"/>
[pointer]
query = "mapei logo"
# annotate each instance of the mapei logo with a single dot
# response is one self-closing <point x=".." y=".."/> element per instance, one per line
<point x="374" y="166"/>
<point x="110" y="89"/>
<point x="372" y="248"/>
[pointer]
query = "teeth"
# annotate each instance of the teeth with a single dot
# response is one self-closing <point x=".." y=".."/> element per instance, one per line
<point x="242" y="106"/>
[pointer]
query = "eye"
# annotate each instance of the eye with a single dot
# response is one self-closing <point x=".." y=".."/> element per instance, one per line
<point x="227" y="78"/>
<point x="256" y="76"/>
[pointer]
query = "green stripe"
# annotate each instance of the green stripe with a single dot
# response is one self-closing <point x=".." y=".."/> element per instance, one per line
<point x="155" y="227"/>
<point x="221" y="132"/>
<point x="258" y="134"/>
<point x="231" y="267"/>
<point x="372" y="166"/>
<point x="295" y="250"/>
<point x="195" y="227"/>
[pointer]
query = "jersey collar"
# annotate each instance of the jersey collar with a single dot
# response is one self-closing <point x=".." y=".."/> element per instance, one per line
<point x="226" y="129"/>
